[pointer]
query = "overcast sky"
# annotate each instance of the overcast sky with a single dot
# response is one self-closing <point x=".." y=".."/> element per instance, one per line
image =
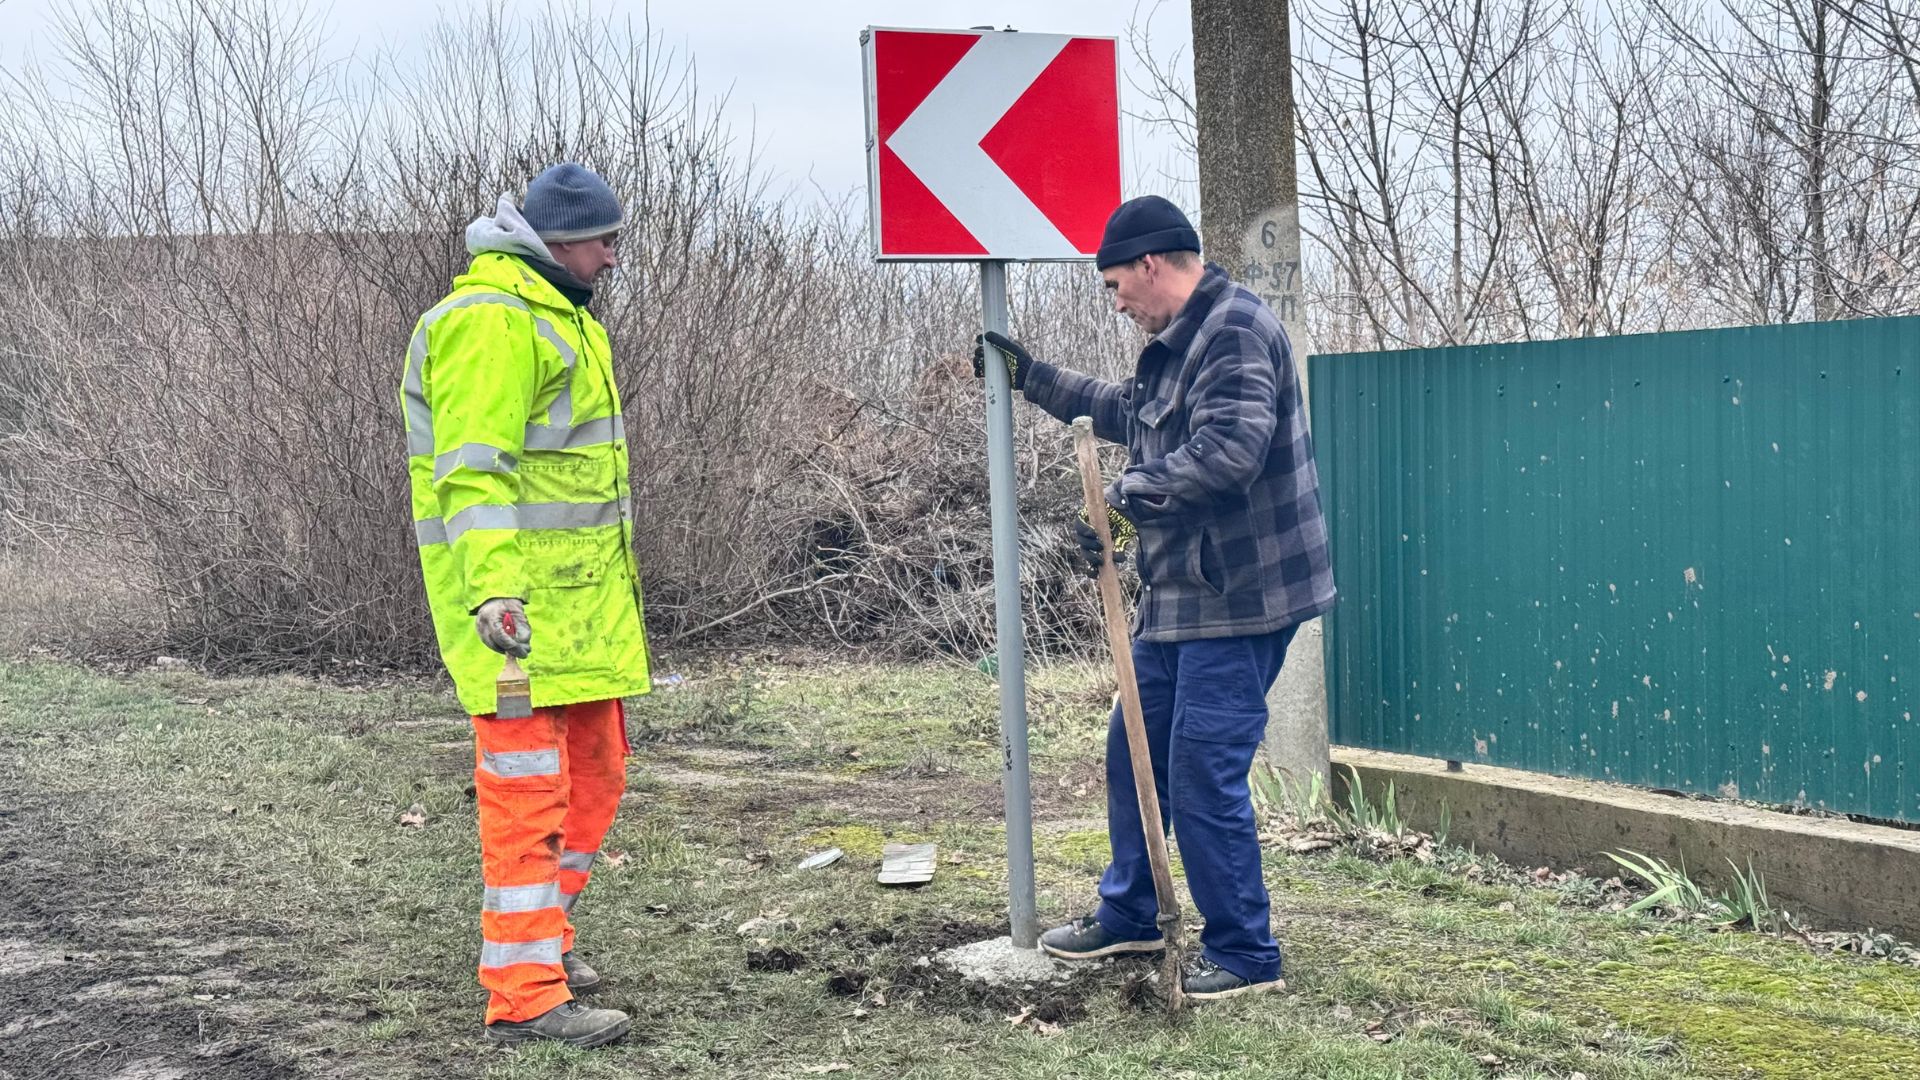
<point x="793" y="69"/>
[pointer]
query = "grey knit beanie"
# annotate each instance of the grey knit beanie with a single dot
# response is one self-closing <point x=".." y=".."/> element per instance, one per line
<point x="570" y="202"/>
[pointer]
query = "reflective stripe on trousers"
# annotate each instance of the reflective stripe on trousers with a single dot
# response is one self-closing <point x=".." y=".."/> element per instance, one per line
<point x="510" y="764"/>
<point x="521" y="897"/>
<point x="499" y="954"/>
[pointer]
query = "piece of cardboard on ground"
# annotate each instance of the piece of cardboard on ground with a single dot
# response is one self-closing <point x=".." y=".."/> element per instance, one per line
<point x="907" y="864"/>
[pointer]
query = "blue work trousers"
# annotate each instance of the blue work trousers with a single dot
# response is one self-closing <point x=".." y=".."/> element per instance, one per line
<point x="1205" y="706"/>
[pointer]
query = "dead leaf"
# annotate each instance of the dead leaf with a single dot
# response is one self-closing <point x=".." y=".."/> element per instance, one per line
<point x="1301" y="847"/>
<point x="415" y="817"/>
<point x="833" y="1067"/>
<point x="1504" y="905"/>
<point x="770" y="923"/>
<point x="1042" y="1028"/>
<point x="1021" y="1018"/>
<point x="1492" y="1060"/>
<point x="614" y="858"/>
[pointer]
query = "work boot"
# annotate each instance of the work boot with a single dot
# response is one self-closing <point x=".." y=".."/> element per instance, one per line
<point x="570" y="1022"/>
<point x="1205" y="980"/>
<point x="1085" y="939"/>
<point x="580" y="977"/>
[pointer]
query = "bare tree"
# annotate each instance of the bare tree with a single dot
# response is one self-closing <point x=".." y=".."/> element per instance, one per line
<point x="1540" y="168"/>
<point x="1400" y="129"/>
<point x="1572" y="114"/>
<point x="1159" y="80"/>
<point x="1792" y="166"/>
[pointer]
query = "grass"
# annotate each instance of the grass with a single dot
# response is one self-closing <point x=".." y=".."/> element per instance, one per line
<point x="269" y="811"/>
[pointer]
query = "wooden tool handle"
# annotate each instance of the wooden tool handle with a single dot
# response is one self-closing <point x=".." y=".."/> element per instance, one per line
<point x="1138" y="751"/>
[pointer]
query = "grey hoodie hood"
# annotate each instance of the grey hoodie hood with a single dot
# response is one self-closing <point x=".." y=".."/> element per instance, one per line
<point x="507" y="232"/>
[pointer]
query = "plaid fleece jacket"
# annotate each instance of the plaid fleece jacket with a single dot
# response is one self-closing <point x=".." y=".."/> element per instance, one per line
<point x="1219" y="480"/>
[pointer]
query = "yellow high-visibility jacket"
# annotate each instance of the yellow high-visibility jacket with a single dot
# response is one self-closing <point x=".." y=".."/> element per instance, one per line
<point x="518" y="460"/>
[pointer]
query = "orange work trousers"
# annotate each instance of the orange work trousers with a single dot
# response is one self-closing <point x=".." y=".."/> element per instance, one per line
<point x="548" y="787"/>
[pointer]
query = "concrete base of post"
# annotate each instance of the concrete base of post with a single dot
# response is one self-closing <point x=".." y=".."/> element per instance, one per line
<point x="998" y="963"/>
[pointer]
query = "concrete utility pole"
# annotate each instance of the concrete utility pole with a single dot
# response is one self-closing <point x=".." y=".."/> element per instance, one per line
<point x="1250" y="215"/>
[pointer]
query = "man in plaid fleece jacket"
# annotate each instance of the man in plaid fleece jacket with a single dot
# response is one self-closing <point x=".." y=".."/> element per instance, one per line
<point x="1221" y="491"/>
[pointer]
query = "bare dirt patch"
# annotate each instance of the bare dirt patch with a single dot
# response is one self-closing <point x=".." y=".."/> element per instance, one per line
<point x="896" y="966"/>
<point x="91" y="986"/>
<point x="754" y="787"/>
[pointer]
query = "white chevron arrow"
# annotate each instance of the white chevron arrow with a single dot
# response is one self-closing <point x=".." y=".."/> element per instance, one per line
<point x="940" y="142"/>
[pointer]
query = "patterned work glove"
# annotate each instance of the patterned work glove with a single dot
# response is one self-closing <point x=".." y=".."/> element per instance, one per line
<point x="1018" y="361"/>
<point x="1092" y="554"/>
<point x="502" y="625"/>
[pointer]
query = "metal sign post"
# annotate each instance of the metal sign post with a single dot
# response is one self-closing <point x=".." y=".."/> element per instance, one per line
<point x="992" y="147"/>
<point x="1011" y="644"/>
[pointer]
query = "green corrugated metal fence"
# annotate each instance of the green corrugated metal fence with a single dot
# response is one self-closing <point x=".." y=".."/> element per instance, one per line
<point x="1686" y="561"/>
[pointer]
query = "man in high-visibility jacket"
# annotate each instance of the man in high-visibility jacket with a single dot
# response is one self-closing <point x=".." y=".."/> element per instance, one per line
<point x="521" y="511"/>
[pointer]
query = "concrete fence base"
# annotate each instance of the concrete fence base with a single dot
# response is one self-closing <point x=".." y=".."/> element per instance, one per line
<point x="1838" y="874"/>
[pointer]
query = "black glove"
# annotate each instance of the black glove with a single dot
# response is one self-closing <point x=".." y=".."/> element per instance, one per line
<point x="1018" y="361"/>
<point x="1092" y="552"/>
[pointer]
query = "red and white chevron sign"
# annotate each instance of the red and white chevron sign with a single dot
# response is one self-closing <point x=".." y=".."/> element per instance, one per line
<point x="990" y="145"/>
